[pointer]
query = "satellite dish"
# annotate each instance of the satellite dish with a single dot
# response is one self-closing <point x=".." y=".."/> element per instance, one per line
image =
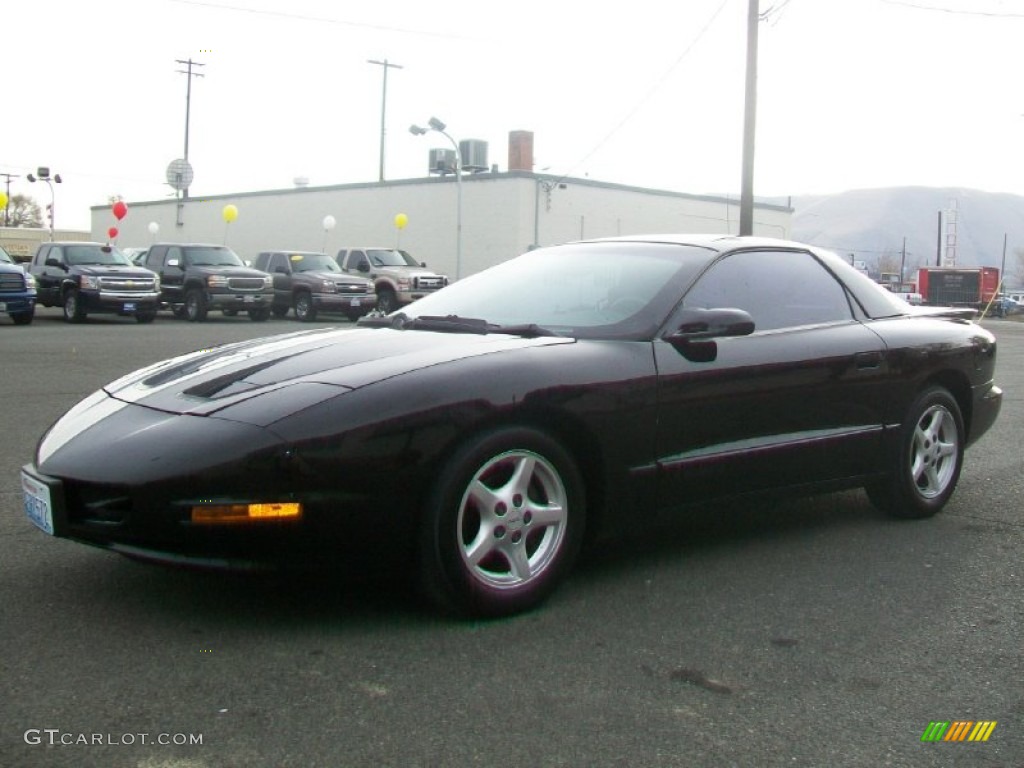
<point x="179" y="174"/>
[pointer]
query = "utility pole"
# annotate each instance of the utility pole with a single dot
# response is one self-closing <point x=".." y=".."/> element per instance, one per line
<point x="188" y="101"/>
<point x="385" y="65"/>
<point x="749" y="121"/>
<point x="8" y="177"/>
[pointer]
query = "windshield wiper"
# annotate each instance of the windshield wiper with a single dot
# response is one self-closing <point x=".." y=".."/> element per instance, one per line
<point x="452" y="324"/>
<point x="526" y="330"/>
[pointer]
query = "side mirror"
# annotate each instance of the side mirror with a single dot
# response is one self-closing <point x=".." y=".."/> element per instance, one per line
<point x="423" y="264"/>
<point x="52" y="262"/>
<point x="281" y="270"/>
<point x="363" y="266"/>
<point x="703" y="324"/>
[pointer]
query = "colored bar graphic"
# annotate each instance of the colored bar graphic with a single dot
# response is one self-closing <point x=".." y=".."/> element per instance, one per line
<point x="958" y="730"/>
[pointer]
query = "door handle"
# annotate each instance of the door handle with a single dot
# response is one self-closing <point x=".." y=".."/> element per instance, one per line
<point x="867" y="360"/>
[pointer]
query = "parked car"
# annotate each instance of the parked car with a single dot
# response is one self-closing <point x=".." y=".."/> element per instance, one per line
<point x="17" y="290"/>
<point x="197" y="278"/>
<point x="485" y="428"/>
<point x="314" y="283"/>
<point x="83" y="278"/>
<point x="397" y="277"/>
<point x="1004" y="305"/>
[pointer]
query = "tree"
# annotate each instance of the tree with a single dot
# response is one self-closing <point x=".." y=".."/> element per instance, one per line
<point x="23" y="211"/>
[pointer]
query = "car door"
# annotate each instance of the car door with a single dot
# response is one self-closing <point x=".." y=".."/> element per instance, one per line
<point x="172" y="274"/>
<point x="799" y="400"/>
<point x="49" y="278"/>
<point x="281" y="270"/>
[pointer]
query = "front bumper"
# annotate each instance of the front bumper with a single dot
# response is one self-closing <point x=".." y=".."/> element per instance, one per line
<point x="347" y="303"/>
<point x="121" y="302"/>
<point x="239" y="301"/>
<point x="987" y="402"/>
<point x="17" y="303"/>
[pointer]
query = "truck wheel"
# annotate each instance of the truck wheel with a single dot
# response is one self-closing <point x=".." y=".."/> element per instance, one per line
<point x="23" y="318"/>
<point x="74" y="311"/>
<point x="279" y="311"/>
<point x="931" y="453"/>
<point x="386" y="302"/>
<point x="195" y="306"/>
<point x="305" y="312"/>
<point x="145" y="317"/>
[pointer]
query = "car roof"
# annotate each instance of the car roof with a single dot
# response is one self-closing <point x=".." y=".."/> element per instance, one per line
<point x="720" y="243"/>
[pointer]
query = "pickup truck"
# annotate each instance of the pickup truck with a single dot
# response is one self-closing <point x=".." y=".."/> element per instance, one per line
<point x="196" y="278"/>
<point x="314" y="283"/>
<point x="83" y="277"/>
<point x="17" y="291"/>
<point x="397" y="277"/>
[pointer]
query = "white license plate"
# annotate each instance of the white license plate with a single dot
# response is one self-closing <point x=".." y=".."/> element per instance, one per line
<point x="355" y="302"/>
<point x="37" y="503"/>
<point x="249" y="299"/>
<point x="129" y="306"/>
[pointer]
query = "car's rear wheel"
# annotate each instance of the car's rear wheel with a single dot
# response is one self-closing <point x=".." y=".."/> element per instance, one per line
<point x="931" y="453"/>
<point x="503" y="524"/>
<point x="305" y="312"/>
<point x="195" y="306"/>
<point x="74" y="310"/>
<point x="386" y="301"/>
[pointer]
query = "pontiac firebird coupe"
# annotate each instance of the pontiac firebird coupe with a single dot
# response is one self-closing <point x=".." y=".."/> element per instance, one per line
<point x="481" y="429"/>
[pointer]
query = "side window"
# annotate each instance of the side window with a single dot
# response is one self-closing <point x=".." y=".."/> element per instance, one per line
<point x="41" y="255"/>
<point x="277" y="260"/>
<point x="358" y="260"/>
<point x="174" y="252"/>
<point x="780" y="289"/>
<point x="155" y="257"/>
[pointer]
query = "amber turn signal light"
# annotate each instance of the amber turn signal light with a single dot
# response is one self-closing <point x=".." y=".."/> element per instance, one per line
<point x="217" y="514"/>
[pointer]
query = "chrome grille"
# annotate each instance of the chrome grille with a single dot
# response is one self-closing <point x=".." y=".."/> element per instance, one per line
<point x="245" y="283"/>
<point x="429" y="283"/>
<point x="360" y="288"/>
<point x="12" y="281"/>
<point x="127" y="284"/>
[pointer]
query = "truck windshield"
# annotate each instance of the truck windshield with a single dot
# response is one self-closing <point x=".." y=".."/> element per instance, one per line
<point x="381" y="257"/>
<point x="79" y="255"/>
<point x="212" y="257"/>
<point x="313" y="262"/>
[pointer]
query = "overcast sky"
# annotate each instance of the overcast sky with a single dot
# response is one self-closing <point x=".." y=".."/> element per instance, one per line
<point x="852" y="94"/>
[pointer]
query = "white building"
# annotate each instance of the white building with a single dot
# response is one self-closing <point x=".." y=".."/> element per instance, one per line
<point x="503" y="215"/>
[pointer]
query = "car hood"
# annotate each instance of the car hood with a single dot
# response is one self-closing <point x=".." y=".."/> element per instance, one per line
<point x="335" y="277"/>
<point x="226" y="269"/>
<point x="315" y="365"/>
<point x="114" y="269"/>
<point x="406" y="271"/>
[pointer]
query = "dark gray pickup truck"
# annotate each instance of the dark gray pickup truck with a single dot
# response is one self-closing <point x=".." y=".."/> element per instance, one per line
<point x="312" y="283"/>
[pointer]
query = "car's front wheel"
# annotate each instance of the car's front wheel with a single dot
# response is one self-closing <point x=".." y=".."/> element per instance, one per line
<point x="931" y="453"/>
<point x="503" y="524"/>
<point x="305" y="312"/>
<point x="23" y="318"/>
<point x="145" y="317"/>
<point x="74" y="310"/>
<point x="386" y="301"/>
<point x="195" y="306"/>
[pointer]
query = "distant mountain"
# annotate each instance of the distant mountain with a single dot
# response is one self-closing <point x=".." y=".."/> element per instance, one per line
<point x="871" y="223"/>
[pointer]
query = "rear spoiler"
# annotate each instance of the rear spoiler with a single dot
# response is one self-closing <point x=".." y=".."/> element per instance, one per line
<point x="956" y="313"/>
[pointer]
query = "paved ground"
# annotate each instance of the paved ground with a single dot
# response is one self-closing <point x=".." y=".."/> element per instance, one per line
<point x="811" y="633"/>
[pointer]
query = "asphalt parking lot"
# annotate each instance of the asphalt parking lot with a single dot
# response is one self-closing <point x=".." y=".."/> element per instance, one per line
<point x="809" y="633"/>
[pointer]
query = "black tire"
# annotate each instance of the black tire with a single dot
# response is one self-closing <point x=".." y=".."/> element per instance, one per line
<point x="23" y="318"/>
<point x="484" y="562"/>
<point x="145" y="317"/>
<point x="259" y="315"/>
<point x="386" y="301"/>
<point x="195" y="305"/>
<point x="279" y="311"/>
<point x="305" y="311"/>
<point x="931" y="454"/>
<point x="74" y="311"/>
<point x="229" y="312"/>
<point x="353" y="316"/>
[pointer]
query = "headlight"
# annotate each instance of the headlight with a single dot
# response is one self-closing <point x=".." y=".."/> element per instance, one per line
<point x="30" y="281"/>
<point x="403" y="283"/>
<point x="268" y="283"/>
<point x="326" y="286"/>
<point x="89" y="282"/>
<point x="217" y="281"/>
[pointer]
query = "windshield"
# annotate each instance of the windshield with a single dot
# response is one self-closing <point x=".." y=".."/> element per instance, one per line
<point x="81" y="255"/>
<point x="5" y="257"/>
<point x="381" y="257"/>
<point x="313" y="262"/>
<point x="212" y="257"/>
<point x="587" y="290"/>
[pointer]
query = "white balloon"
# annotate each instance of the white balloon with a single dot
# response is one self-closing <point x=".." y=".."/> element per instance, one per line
<point x="153" y="227"/>
<point x="329" y="222"/>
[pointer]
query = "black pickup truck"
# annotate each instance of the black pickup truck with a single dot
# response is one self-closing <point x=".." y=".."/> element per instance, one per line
<point x="86" y="277"/>
<point x="196" y="278"/>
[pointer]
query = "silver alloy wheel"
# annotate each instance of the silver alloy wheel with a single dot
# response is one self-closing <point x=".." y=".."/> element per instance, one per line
<point x="512" y="519"/>
<point x="933" y="451"/>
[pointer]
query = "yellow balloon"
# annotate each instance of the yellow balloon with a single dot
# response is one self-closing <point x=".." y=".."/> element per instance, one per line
<point x="230" y="213"/>
<point x="401" y="220"/>
<point x="3" y="200"/>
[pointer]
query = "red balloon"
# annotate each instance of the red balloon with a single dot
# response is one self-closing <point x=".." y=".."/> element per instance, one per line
<point x="120" y="209"/>
<point x="112" y="232"/>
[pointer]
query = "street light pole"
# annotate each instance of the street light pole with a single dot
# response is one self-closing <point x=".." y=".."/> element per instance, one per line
<point x="44" y="175"/>
<point x="438" y="127"/>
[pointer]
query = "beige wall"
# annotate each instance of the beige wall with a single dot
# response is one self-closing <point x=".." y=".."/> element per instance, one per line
<point x="21" y="242"/>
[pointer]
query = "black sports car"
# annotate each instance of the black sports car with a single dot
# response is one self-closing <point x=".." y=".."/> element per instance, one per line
<point x="481" y="429"/>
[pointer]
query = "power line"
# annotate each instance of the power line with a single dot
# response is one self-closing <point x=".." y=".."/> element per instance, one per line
<point x="956" y="11"/>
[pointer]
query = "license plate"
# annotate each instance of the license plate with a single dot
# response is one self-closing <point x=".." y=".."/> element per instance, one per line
<point x="355" y="302"/>
<point x="249" y="299"/>
<point x="129" y="306"/>
<point x="38" y="507"/>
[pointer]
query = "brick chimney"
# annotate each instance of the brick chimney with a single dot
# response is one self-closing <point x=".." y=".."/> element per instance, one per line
<point x="520" y="151"/>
